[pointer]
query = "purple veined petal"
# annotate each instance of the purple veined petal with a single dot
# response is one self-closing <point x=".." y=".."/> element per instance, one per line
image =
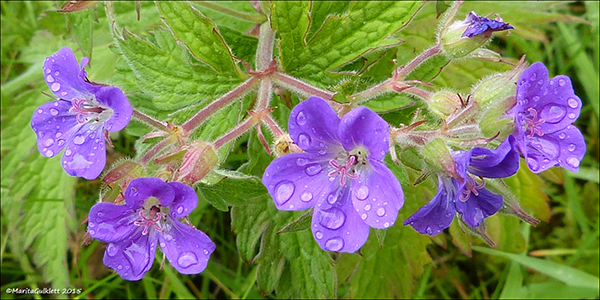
<point x="140" y="189"/>
<point x="476" y="208"/>
<point x="110" y="223"/>
<point x="480" y="25"/>
<point x="298" y="181"/>
<point x="184" y="201"/>
<point x="438" y="214"/>
<point x="377" y="196"/>
<point x="313" y="126"/>
<point x="499" y="163"/>
<point x="85" y="153"/>
<point x="338" y="227"/>
<point x="54" y="126"/>
<point x="61" y="72"/>
<point x="132" y="257"/>
<point x="187" y="249"/>
<point x="531" y="84"/>
<point x="572" y="147"/>
<point x="362" y="127"/>
<point x="114" y="98"/>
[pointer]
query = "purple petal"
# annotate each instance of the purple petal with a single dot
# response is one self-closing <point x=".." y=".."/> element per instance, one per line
<point x="565" y="148"/>
<point x="337" y="227"/>
<point x="85" y="153"/>
<point x="297" y="181"/>
<point x="62" y="75"/>
<point x="480" y="25"/>
<point x="438" y="214"/>
<point x="377" y="196"/>
<point x="114" y="98"/>
<point x="187" y="249"/>
<point x="185" y="200"/>
<point x="133" y="257"/>
<point x="313" y="126"/>
<point x="362" y="127"/>
<point x="572" y="148"/>
<point x="111" y="223"/>
<point x="499" y="163"/>
<point x="140" y="189"/>
<point x="476" y="208"/>
<point x="54" y="126"/>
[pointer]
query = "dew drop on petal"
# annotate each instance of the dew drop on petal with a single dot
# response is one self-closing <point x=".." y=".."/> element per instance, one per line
<point x="386" y="224"/>
<point x="49" y="78"/>
<point x="306" y="196"/>
<point x="301" y="161"/>
<point x="68" y="152"/>
<point x="362" y="193"/>
<point x="573" y="161"/>
<point x="49" y="142"/>
<point x="284" y="191"/>
<point x="318" y="235"/>
<point x="48" y="71"/>
<point x="187" y="259"/>
<point x="301" y="118"/>
<point x="572" y="147"/>
<point x="562" y="136"/>
<point x="572" y="115"/>
<point x="204" y="251"/>
<point x="381" y="211"/>
<point x="111" y="249"/>
<point x="313" y="169"/>
<point x="334" y="244"/>
<point x="363" y="216"/>
<point x="368" y="207"/>
<point x="332" y="218"/>
<point x="304" y="140"/>
<point x="180" y="209"/>
<point x="119" y="267"/>
<point x="78" y="140"/>
<point x="49" y="153"/>
<point x="61" y="143"/>
<point x="40" y="111"/>
<point x="561" y="82"/>
<point x="331" y="198"/>
<point x="573" y="102"/>
<point x="533" y="77"/>
<point x="428" y="230"/>
<point x="55" y="87"/>
<point x="56" y="73"/>
<point x="552" y="113"/>
<point x="533" y="165"/>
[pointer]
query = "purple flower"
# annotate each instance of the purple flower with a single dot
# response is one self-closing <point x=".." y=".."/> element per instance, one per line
<point x="77" y="119"/>
<point x="544" y="116"/>
<point x="466" y="195"/>
<point x="148" y="218"/>
<point x="341" y="174"/>
<point x="479" y="25"/>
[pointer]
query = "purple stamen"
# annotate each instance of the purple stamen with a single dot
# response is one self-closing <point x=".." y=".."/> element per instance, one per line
<point x="82" y="111"/>
<point x="533" y="123"/>
<point x="343" y="169"/>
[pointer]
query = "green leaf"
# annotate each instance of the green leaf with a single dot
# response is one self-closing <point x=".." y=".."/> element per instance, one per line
<point x="199" y="35"/>
<point x="231" y="191"/>
<point x="321" y="10"/>
<point x="81" y="25"/>
<point x="526" y="185"/>
<point x="566" y="274"/>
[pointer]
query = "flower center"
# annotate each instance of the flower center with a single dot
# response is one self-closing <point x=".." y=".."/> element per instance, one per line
<point x="152" y="219"/>
<point x="348" y="164"/>
<point x="471" y="187"/>
<point x="533" y="123"/>
<point x="86" y="111"/>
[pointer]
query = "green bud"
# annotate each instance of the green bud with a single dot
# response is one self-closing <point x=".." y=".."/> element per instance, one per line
<point x="439" y="158"/>
<point x="444" y="103"/>
<point x="454" y="45"/>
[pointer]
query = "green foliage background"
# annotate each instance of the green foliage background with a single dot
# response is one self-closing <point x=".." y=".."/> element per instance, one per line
<point x="174" y="60"/>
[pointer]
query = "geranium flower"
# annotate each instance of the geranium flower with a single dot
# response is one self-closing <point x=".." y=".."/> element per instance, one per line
<point x="479" y="25"/>
<point x="466" y="195"/>
<point x="77" y="119"/>
<point x="544" y="116"/>
<point x="341" y="174"/>
<point x="147" y="219"/>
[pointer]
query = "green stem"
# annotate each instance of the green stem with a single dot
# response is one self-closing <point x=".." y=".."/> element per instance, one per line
<point x="234" y="13"/>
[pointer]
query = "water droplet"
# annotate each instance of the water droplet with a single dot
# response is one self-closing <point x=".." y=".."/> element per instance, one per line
<point x="304" y="140"/>
<point x="533" y="77"/>
<point x="49" y="78"/>
<point x="301" y="161"/>
<point x="334" y="244"/>
<point x="573" y="103"/>
<point x="56" y="73"/>
<point x="572" y="115"/>
<point x="428" y="230"/>
<point x="55" y="87"/>
<point x="331" y="198"/>
<point x="332" y="219"/>
<point x="163" y="245"/>
<point x="533" y="165"/>
<point x="368" y="207"/>
<point x="48" y="71"/>
<point x="180" y="210"/>
<point x="111" y="249"/>
<point x="91" y="224"/>
<point x="40" y="111"/>
<point x="546" y="161"/>
<point x="562" y="136"/>
<point x="63" y="93"/>
<point x="362" y="193"/>
<point x="561" y="82"/>
<point x="306" y="196"/>
<point x="313" y="169"/>
<point x="78" y="140"/>
<point x="49" y="153"/>
<point x="301" y="118"/>
<point x="381" y="211"/>
<point x="573" y="161"/>
<point x="322" y="152"/>
<point x="204" y="251"/>
<point x="552" y="113"/>
<point x="318" y="235"/>
<point x="386" y="224"/>
<point x="187" y="259"/>
<point x="572" y="147"/>
<point x="68" y="152"/>
<point x="363" y="216"/>
<point x="284" y="191"/>
<point x="119" y="267"/>
<point x="536" y="98"/>
<point x="49" y="142"/>
<point x="545" y="146"/>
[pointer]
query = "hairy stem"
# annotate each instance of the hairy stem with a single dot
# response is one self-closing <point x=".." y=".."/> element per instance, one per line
<point x="288" y="82"/>
<point x="155" y="150"/>
<point x="404" y="71"/>
<point x="236" y="132"/>
<point x="146" y="119"/>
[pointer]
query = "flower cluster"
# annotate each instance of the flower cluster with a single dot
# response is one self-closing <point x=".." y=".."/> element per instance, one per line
<point x="148" y="219"/>
<point x="340" y="174"/>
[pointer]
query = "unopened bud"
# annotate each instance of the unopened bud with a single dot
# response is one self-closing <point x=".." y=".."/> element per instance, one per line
<point x="439" y="158"/>
<point x="118" y="178"/>
<point x="199" y="159"/>
<point x="444" y="103"/>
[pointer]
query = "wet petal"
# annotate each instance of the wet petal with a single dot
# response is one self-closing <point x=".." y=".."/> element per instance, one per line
<point x="187" y="249"/>
<point x="85" y="153"/>
<point x="477" y="208"/>
<point x="313" y="126"/>
<point x="110" y="222"/>
<point x="563" y="148"/>
<point x="499" y="163"/>
<point x="184" y="201"/>
<point x="338" y="227"/>
<point x="572" y="148"/>
<point x="362" y="127"/>
<point x="299" y="180"/>
<point x="114" y="98"/>
<point x="61" y="72"/>
<point x="132" y="257"/>
<point x="377" y="196"/>
<point x="438" y="214"/>
<point x="54" y="126"/>
<point x="140" y="189"/>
